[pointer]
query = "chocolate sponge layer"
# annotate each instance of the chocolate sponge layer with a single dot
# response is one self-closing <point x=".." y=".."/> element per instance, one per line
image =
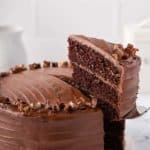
<point x="113" y="81"/>
<point x="88" y="57"/>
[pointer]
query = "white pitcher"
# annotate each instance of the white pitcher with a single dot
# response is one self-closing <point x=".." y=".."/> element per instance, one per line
<point x="12" y="51"/>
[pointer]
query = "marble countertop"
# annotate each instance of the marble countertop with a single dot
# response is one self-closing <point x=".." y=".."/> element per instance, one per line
<point x="138" y="130"/>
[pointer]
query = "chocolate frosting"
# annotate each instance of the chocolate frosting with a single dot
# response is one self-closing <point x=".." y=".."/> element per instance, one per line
<point x="100" y="43"/>
<point x="60" y="131"/>
<point x="39" y="86"/>
<point x="81" y="129"/>
<point x="100" y="46"/>
<point x="103" y="46"/>
<point x="130" y="82"/>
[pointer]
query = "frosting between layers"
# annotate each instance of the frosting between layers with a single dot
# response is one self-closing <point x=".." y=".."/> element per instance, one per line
<point x="130" y="70"/>
<point x="98" y="76"/>
<point x="127" y="99"/>
<point x="98" y="49"/>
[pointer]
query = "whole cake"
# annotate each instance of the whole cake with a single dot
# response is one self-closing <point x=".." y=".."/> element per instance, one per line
<point x="58" y="106"/>
<point x="39" y="111"/>
<point x="107" y="71"/>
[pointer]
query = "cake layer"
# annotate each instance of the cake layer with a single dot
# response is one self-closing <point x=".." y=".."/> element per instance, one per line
<point x="89" y="82"/>
<point x="114" y="104"/>
<point x="62" y="131"/>
<point x="94" y="54"/>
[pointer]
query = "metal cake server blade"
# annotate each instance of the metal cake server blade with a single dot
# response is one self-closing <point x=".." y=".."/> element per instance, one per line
<point x="137" y="112"/>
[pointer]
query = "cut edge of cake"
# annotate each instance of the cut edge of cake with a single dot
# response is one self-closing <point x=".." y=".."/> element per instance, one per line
<point x="86" y="78"/>
<point x="89" y="58"/>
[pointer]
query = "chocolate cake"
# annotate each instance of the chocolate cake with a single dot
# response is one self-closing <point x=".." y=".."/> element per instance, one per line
<point x="107" y="71"/>
<point x="40" y="111"/>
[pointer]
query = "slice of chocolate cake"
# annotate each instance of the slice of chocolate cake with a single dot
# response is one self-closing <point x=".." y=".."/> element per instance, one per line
<point x="106" y="71"/>
<point x="39" y="111"/>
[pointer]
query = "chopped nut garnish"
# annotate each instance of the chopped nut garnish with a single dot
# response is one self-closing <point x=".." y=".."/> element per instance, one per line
<point x="82" y="106"/>
<point x="94" y="103"/>
<point x="120" y="53"/>
<point x="54" y="64"/>
<point x="118" y="47"/>
<point x="55" y="108"/>
<point x="46" y="64"/>
<point x="4" y="100"/>
<point x="18" y="68"/>
<point x="115" y="56"/>
<point x="34" y="66"/>
<point x="31" y="105"/>
<point x="64" y="64"/>
<point x="133" y="52"/>
<point x="88" y="104"/>
<point x="61" y="106"/>
<point x="26" y="108"/>
<point x="38" y="105"/>
<point x="47" y="109"/>
<point x="130" y="50"/>
<point x="4" y="74"/>
<point x="130" y="46"/>
<point x="72" y="105"/>
<point x="82" y="99"/>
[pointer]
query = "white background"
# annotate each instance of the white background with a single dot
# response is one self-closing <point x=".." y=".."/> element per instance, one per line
<point x="47" y="24"/>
